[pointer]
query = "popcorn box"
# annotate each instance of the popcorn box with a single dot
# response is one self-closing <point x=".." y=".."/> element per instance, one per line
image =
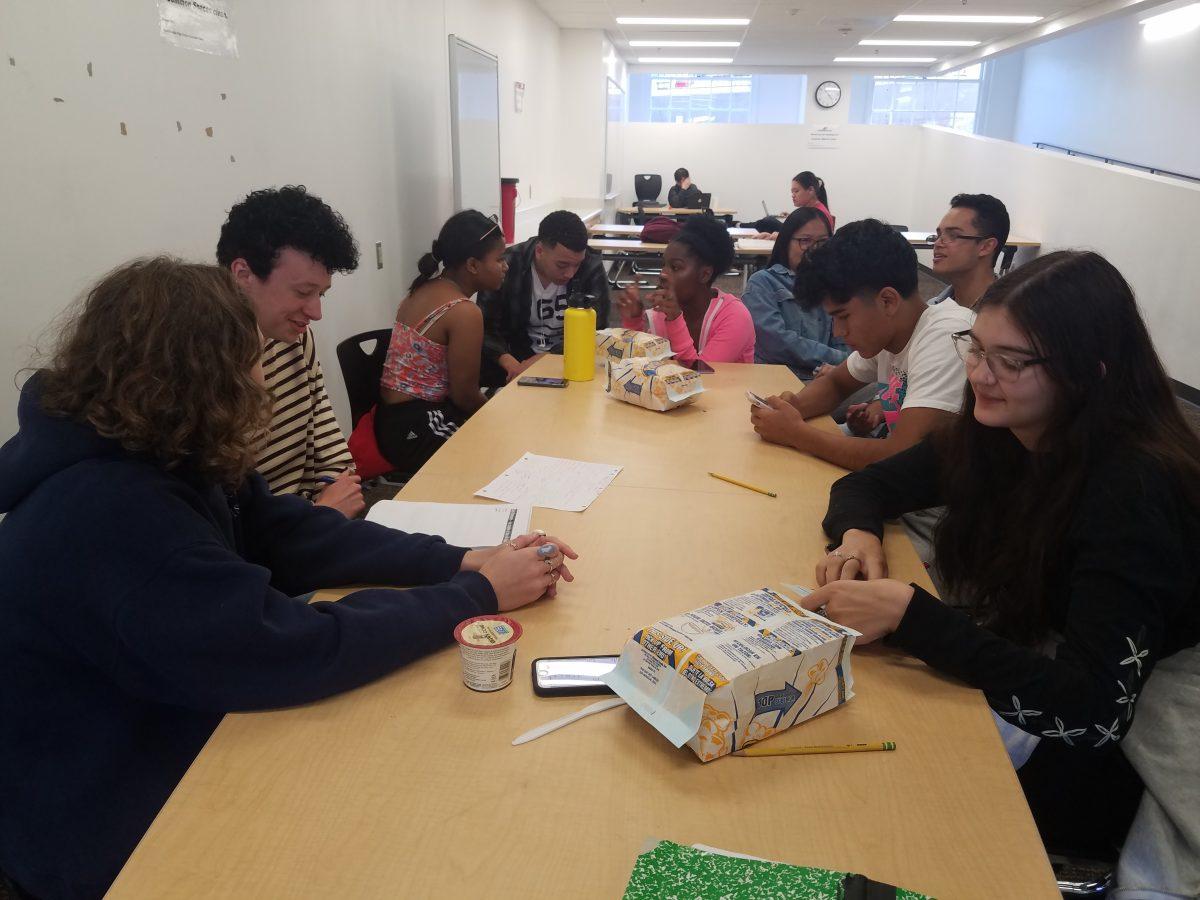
<point x="623" y="343"/>
<point x="735" y="672"/>
<point x="658" y="384"/>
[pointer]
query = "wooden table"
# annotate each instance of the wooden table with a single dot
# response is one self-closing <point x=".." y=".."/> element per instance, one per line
<point x="634" y="231"/>
<point x="748" y="254"/>
<point x="409" y="787"/>
<point x="626" y="213"/>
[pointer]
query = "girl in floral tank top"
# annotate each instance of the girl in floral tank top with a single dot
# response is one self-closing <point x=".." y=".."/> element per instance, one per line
<point x="430" y="380"/>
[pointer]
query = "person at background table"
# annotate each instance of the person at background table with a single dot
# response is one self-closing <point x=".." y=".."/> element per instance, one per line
<point x="808" y="192"/>
<point x="1072" y="492"/>
<point x="784" y="331"/>
<point x="430" y="380"/>
<point x="865" y="277"/>
<point x="700" y="321"/>
<point x="970" y="238"/>
<point x="523" y="319"/>
<point x="684" y="194"/>
<point x="183" y="598"/>
<point x="283" y="246"/>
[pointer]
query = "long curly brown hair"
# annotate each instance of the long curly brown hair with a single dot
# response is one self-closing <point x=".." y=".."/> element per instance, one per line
<point x="160" y="355"/>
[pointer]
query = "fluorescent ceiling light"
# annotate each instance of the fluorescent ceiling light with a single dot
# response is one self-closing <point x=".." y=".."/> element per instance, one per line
<point x="642" y="20"/>
<point x="685" y="43"/>
<point x="715" y="60"/>
<point x="885" y="59"/>
<point x="1171" y="24"/>
<point x="918" y="43"/>
<point x="972" y="20"/>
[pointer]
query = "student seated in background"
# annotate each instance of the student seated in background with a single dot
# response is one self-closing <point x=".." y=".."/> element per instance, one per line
<point x="430" y="381"/>
<point x="183" y="597"/>
<point x="970" y="238"/>
<point x="1072" y="492"/>
<point x="283" y="246"/>
<point x="784" y="331"/>
<point x="808" y="192"/>
<point x="523" y="320"/>
<point x="865" y="277"/>
<point x="684" y="195"/>
<point x="700" y="321"/>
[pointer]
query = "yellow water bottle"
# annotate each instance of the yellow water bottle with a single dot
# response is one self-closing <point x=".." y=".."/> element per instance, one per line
<point x="579" y="339"/>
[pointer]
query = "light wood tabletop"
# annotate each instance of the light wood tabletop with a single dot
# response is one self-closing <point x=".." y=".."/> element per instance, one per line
<point x="633" y="231"/>
<point x="409" y="787"/>
<point x="673" y="211"/>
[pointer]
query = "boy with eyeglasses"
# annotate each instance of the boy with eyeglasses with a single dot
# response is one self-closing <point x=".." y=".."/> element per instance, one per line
<point x="968" y="242"/>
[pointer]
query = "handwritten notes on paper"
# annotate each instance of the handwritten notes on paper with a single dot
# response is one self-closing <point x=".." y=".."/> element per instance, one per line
<point x="551" y="482"/>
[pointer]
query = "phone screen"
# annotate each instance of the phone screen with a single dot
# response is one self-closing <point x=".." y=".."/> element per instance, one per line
<point x="531" y="381"/>
<point x="572" y="674"/>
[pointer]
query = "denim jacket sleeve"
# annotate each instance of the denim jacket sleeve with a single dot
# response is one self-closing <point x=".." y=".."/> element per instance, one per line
<point x="784" y="331"/>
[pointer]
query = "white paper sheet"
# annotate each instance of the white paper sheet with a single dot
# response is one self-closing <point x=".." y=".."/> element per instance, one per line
<point x="461" y="524"/>
<point x="551" y="482"/>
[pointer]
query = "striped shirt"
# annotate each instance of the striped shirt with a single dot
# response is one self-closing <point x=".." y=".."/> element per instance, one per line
<point x="306" y="441"/>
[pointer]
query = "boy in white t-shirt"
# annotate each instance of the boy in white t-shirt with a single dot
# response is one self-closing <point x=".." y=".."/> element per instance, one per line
<point x="865" y="277"/>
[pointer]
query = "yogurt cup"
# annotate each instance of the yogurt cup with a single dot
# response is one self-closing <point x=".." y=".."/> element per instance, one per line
<point x="488" y="645"/>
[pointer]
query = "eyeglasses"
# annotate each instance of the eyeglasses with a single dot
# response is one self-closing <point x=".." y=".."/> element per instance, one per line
<point x="1004" y="367"/>
<point x="488" y="233"/>
<point x="952" y="237"/>
<point x="806" y="242"/>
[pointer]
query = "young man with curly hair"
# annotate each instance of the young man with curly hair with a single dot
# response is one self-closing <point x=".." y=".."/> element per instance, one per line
<point x="282" y="246"/>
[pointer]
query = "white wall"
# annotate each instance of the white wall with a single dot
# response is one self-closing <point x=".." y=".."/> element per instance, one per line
<point x="353" y="104"/>
<point x="1106" y="90"/>
<point x="1143" y="224"/>
<point x="869" y="174"/>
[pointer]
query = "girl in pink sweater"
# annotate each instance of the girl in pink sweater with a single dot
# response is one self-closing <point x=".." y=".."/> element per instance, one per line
<point x="700" y="321"/>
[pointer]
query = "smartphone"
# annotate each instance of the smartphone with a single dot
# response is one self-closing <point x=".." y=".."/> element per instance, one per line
<point x="700" y="366"/>
<point x="571" y="676"/>
<point x="531" y="381"/>
<point x="757" y="400"/>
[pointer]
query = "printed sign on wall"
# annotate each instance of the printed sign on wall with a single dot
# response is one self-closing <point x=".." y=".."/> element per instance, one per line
<point x="196" y="25"/>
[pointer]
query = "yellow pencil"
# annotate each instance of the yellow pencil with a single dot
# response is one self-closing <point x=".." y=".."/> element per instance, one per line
<point x="801" y="751"/>
<point x="748" y="487"/>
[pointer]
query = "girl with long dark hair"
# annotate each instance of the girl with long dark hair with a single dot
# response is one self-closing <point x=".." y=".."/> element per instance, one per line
<point x="808" y="190"/>
<point x="1072" y="490"/>
<point x="784" y="331"/>
<point x="430" y="380"/>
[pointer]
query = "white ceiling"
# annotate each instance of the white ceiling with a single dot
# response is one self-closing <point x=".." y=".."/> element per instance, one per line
<point x="805" y="32"/>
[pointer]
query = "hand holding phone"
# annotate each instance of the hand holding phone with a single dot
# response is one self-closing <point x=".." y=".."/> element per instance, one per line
<point x="757" y="400"/>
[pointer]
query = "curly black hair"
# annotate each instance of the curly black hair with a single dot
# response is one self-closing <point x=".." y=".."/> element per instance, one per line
<point x="563" y="227"/>
<point x="271" y="219"/>
<point x="708" y="240"/>
<point x="862" y="256"/>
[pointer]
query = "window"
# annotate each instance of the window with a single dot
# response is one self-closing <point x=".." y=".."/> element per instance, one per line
<point x="950" y="100"/>
<point x="724" y="99"/>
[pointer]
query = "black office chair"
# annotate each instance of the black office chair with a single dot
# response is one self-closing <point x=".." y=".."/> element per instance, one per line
<point x="361" y="369"/>
<point x="646" y="188"/>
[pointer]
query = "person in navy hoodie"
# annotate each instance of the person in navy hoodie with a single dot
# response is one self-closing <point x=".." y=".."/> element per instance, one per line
<point x="152" y="583"/>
